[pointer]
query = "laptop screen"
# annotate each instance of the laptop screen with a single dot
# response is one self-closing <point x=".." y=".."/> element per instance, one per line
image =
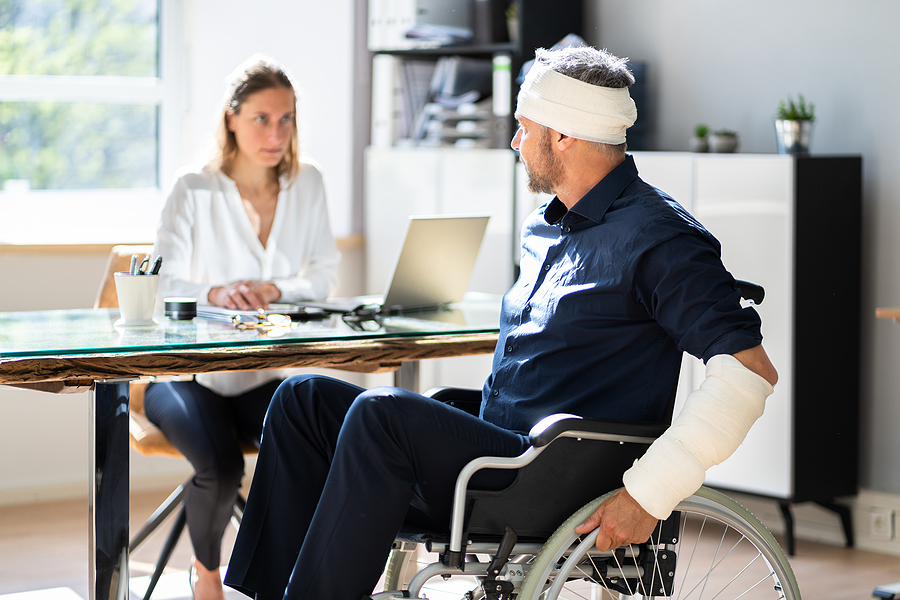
<point x="433" y="268"/>
<point x="435" y="261"/>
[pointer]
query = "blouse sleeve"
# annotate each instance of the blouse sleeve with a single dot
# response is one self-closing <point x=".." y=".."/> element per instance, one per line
<point x="174" y="243"/>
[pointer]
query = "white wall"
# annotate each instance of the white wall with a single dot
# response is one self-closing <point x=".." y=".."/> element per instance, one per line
<point x="727" y="64"/>
<point x="314" y="41"/>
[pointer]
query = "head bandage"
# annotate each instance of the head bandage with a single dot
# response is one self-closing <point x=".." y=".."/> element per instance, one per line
<point x="712" y="424"/>
<point x="575" y="108"/>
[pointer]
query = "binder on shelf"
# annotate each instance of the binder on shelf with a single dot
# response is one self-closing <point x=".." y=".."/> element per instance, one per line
<point x="385" y="100"/>
<point x="375" y="40"/>
<point x="406" y="20"/>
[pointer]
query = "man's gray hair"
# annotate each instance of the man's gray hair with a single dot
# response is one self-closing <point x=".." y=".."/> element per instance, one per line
<point x="593" y="66"/>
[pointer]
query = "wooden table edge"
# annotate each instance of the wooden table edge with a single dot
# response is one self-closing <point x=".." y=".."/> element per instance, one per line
<point x="363" y="355"/>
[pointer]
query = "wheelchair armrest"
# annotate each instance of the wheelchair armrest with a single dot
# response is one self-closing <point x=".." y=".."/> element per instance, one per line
<point x="466" y="399"/>
<point x="553" y="426"/>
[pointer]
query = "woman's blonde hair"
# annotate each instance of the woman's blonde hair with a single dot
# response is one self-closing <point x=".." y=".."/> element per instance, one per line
<point x="256" y="74"/>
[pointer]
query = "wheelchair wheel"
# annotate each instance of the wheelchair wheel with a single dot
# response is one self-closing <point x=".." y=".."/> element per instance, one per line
<point x="395" y="564"/>
<point x="719" y="550"/>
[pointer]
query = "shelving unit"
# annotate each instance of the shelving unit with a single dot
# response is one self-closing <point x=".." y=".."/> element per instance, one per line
<point x="540" y="24"/>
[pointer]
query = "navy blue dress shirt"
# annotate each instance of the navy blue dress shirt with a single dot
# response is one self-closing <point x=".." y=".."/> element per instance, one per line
<point x="609" y="295"/>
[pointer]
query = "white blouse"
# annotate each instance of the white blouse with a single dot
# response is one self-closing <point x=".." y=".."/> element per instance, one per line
<point x="206" y="239"/>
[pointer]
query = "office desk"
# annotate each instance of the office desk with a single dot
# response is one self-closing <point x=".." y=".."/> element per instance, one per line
<point x="83" y="350"/>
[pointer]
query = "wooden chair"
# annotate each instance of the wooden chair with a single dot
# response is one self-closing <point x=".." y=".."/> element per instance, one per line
<point x="146" y="438"/>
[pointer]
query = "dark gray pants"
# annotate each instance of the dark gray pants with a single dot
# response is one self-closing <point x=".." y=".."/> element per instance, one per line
<point x="207" y="428"/>
<point x="337" y="470"/>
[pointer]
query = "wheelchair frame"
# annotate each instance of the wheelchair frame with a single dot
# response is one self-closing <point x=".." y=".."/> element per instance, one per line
<point x="530" y="570"/>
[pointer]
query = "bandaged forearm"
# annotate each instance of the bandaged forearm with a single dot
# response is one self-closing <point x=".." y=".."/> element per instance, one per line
<point x="712" y="424"/>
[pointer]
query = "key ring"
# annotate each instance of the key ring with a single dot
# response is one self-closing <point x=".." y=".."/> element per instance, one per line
<point x="261" y="320"/>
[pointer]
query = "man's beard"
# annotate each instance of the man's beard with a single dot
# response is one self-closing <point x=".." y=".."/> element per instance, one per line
<point x="544" y="176"/>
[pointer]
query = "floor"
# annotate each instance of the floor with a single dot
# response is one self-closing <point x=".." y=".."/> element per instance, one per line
<point x="43" y="554"/>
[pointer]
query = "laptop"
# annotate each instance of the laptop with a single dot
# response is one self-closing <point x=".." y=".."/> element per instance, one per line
<point x="433" y="269"/>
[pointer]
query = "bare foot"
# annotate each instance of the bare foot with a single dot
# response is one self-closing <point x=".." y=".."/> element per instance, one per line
<point x="208" y="585"/>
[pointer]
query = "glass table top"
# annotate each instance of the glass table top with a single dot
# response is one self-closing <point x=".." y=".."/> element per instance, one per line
<point x="95" y="331"/>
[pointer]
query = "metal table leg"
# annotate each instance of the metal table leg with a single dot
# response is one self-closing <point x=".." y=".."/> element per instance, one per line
<point x="108" y="497"/>
<point x="407" y="376"/>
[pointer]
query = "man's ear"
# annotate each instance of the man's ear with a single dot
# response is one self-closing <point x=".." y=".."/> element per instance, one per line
<point x="563" y="141"/>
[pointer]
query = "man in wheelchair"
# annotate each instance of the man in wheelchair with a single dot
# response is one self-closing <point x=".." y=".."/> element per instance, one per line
<point x="617" y="280"/>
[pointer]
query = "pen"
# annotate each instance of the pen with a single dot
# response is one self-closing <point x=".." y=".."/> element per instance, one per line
<point x="146" y="261"/>
<point x="156" y="265"/>
<point x="133" y="269"/>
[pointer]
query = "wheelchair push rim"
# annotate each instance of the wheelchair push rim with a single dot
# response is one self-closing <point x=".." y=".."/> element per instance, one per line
<point x="739" y="558"/>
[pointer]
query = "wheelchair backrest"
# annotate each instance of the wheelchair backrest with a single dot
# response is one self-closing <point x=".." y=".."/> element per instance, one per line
<point x="569" y="473"/>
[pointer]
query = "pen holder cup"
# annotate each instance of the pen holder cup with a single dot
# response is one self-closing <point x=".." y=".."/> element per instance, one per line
<point x="137" y="298"/>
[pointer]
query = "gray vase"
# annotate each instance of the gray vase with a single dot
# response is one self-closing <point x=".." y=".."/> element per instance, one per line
<point x="698" y="144"/>
<point x="793" y="136"/>
<point x="723" y="143"/>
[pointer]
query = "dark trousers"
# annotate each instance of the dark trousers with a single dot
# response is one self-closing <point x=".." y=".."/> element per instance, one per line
<point x="337" y="470"/>
<point x="207" y="429"/>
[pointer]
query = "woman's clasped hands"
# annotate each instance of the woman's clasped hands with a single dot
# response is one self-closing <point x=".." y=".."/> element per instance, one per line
<point x="244" y="295"/>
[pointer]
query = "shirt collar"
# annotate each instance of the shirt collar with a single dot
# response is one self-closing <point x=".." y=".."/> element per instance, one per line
<point x="589" y="210"/>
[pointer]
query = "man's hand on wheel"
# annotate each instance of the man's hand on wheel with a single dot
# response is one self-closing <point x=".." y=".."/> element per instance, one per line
<point x="620" y="520"/>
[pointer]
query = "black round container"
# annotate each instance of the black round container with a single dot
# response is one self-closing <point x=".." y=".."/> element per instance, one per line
<point x="181" y="309"/>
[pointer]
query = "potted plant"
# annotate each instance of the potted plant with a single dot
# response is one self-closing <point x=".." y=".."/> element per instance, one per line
<point x="723" y="140"/>
<point x="793" y="125"/>
<point x="700" y="143"/>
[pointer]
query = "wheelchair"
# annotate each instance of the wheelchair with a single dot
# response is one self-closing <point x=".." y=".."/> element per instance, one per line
<point x="519" y="542"/>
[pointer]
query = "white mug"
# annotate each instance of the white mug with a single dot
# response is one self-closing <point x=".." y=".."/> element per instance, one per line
<point x="137" y="298"/>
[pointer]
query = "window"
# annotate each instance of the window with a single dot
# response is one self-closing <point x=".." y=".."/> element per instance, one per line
<point x="87" y="98"/>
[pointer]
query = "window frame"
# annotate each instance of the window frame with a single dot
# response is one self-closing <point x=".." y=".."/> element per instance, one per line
<point x="103" y="216"/>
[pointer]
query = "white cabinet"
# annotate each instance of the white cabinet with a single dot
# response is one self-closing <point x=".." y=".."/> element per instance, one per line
<point x="401" y="182"/>
<point x="791" y="224"/>
<point x="437" y="181"/>
<point x="748" y="206"/>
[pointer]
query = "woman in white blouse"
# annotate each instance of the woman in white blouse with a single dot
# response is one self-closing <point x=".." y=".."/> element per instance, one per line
<point x="247" y="229"/>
